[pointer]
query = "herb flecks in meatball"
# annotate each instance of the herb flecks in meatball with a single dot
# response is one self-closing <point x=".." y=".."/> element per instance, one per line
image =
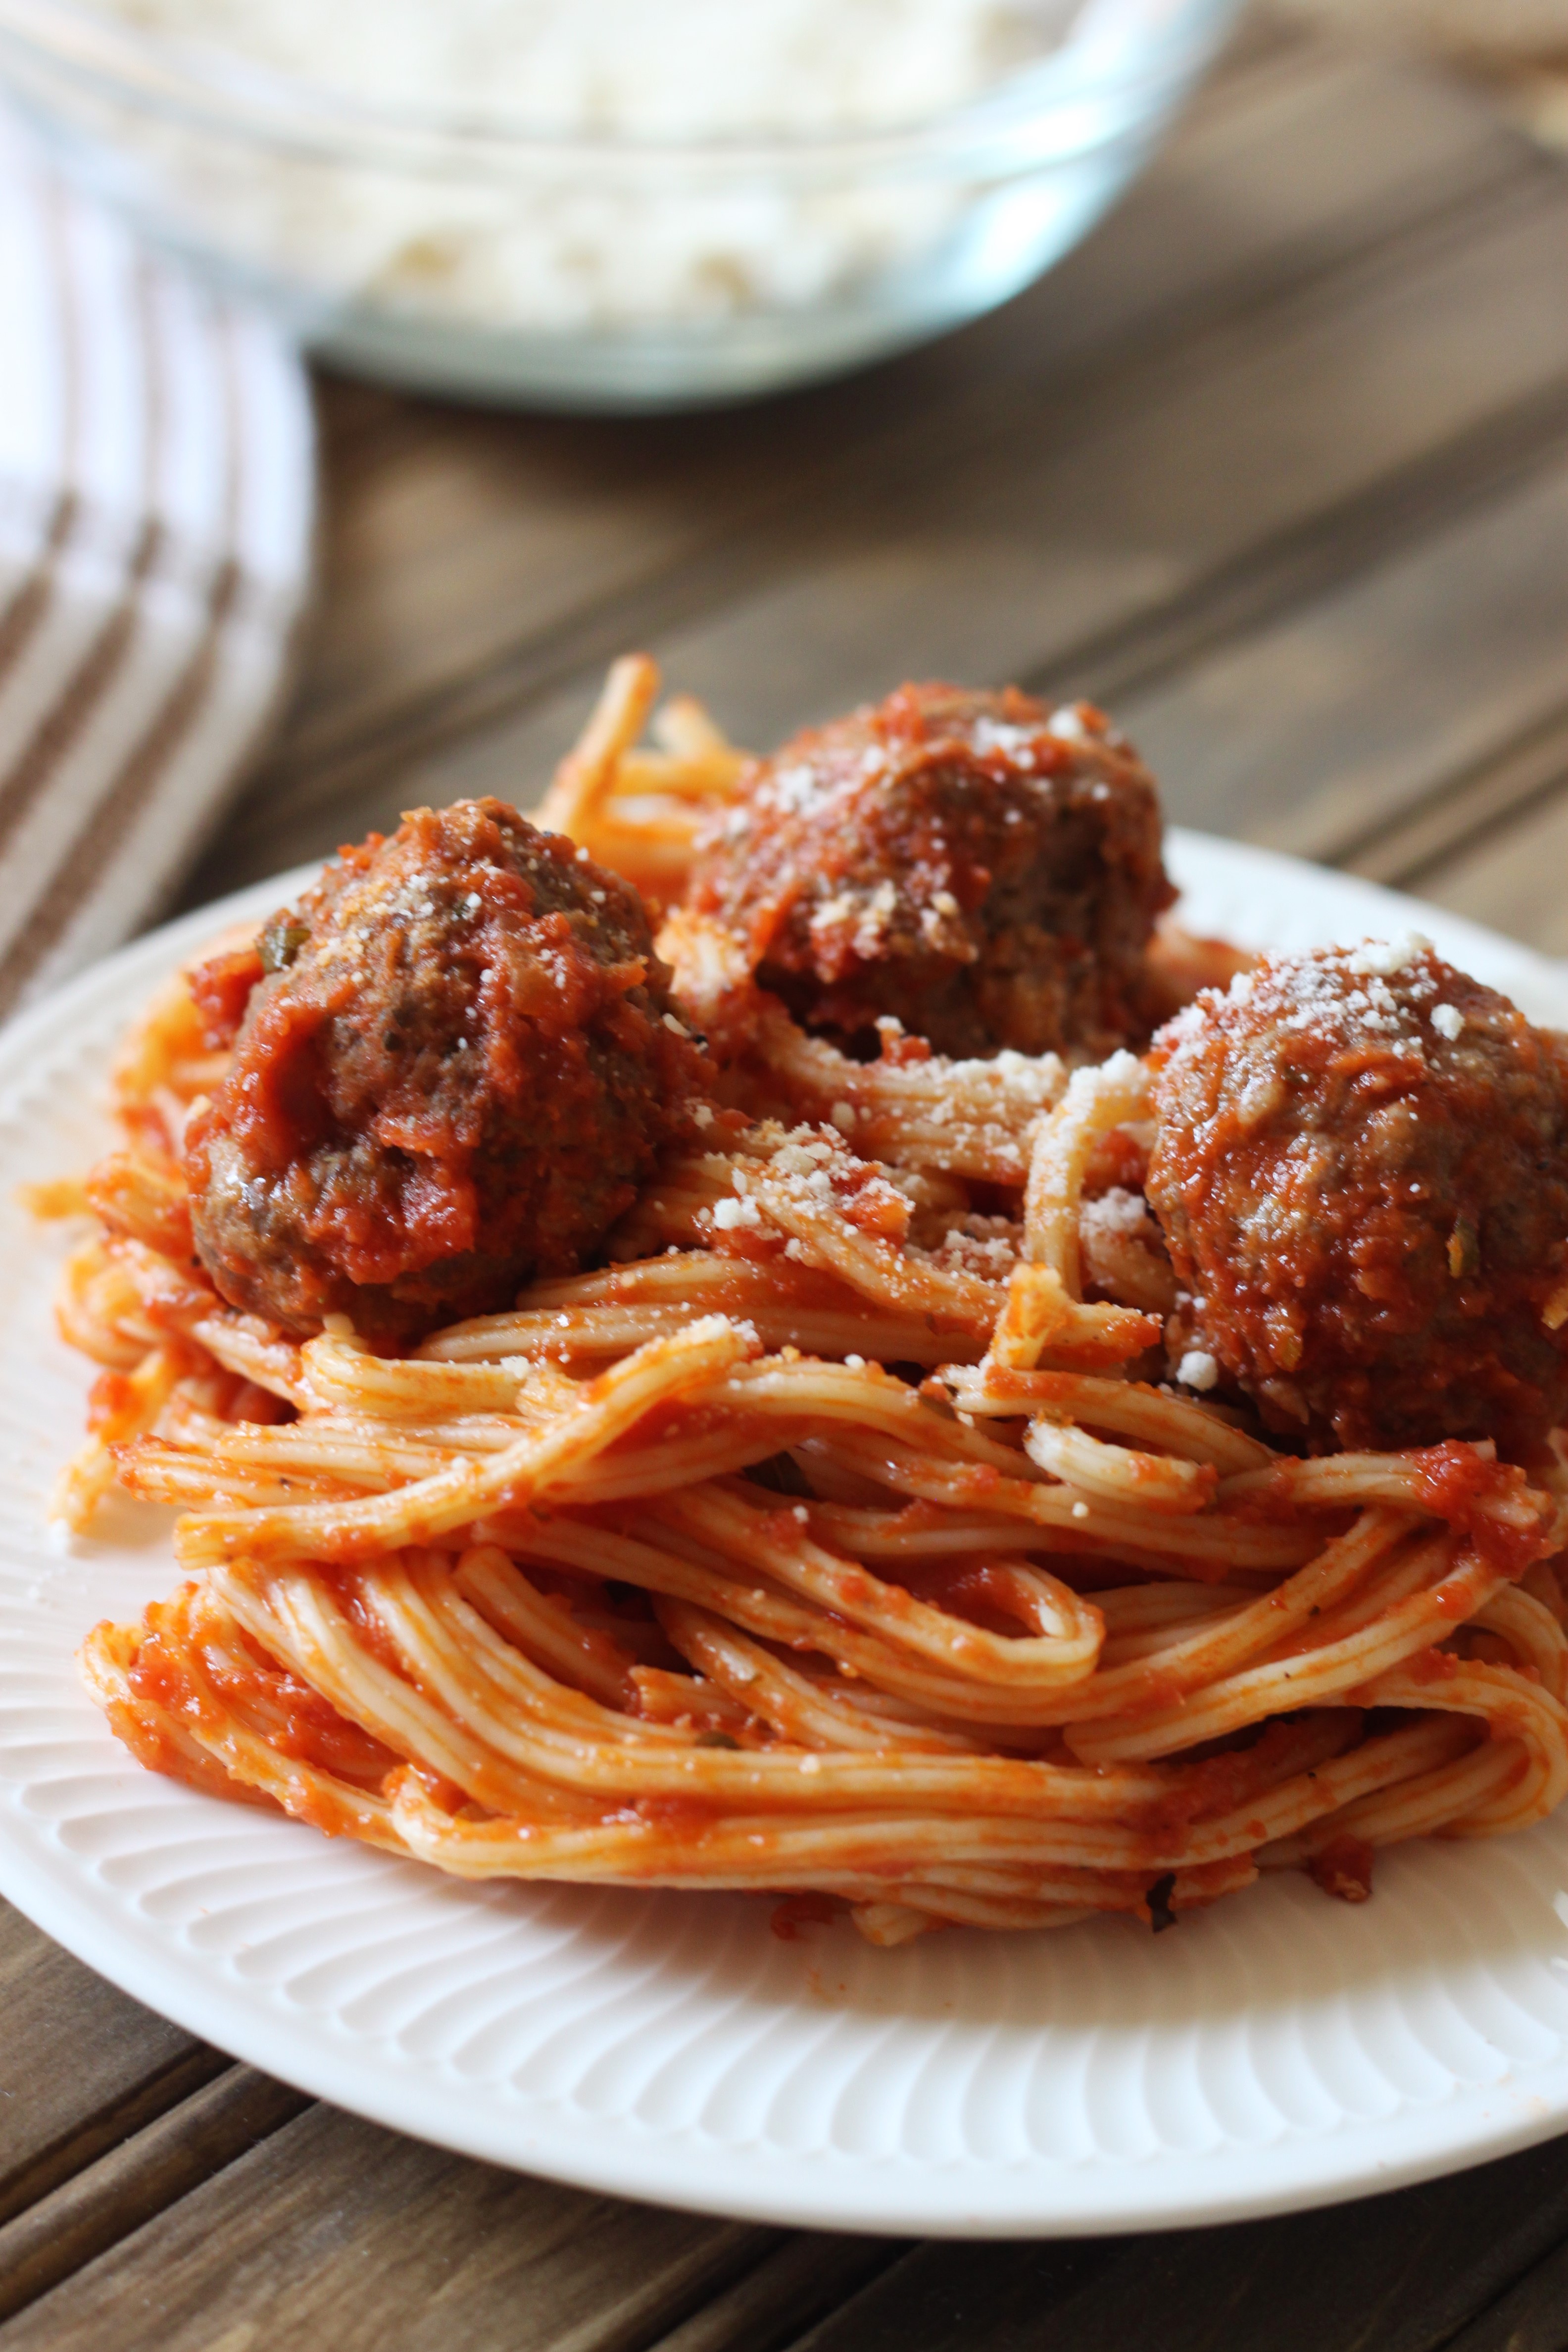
<point x="981" y="868"/>
<point x="1361" y="1169"/>
<point x="457" y="1061"/>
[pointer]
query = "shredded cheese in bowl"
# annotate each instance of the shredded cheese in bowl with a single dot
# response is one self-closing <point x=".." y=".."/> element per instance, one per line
<point x="603" y="201"/>
<point x="685" y="69"/>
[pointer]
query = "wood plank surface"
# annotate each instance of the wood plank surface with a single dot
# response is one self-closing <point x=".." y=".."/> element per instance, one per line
<point x="1278" y="464"/>
<point x="1466" y="811"/>
<point x="81" y="2067"/>
<point x="1516" y="879"/>
<point x="1050" y="551"/>
<point x="1397" y="2274"/>
<point x="771" y="2307"/>
<point x="1531" y="2317"/>
<point x="334" y="2233"/>
<point x="159" y="2164"/>
<point x="1324" y="731"/>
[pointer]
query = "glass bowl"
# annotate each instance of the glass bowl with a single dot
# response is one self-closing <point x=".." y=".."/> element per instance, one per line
<point x="479" y="259"/>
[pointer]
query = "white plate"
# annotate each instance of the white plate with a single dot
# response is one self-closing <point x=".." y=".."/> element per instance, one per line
<point x="1281" y="2050"/>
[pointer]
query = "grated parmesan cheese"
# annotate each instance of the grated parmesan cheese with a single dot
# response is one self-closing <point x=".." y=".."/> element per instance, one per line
<point x="1386" y="958"/>
<point x="573" y="245"/>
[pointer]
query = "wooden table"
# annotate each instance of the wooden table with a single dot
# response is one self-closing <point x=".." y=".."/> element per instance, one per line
<point x="1277" y="466"/>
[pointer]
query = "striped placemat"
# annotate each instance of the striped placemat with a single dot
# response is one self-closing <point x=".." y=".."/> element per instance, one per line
<point x="157" y="477"/>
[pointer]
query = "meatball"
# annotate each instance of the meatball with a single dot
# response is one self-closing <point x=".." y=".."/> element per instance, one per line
<point x="1361" y="1170"/>
<point x="981" y="868"/>
<point x="457" y="1063"/>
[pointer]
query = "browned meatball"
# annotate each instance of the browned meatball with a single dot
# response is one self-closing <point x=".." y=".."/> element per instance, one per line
<point x="457" y="1061"/>
<point x="1360" y="1168"/>
<point x="985" y="871"/>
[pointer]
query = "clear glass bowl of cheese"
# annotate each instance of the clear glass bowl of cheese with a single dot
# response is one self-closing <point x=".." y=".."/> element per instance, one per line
<point x="610" y="203"/>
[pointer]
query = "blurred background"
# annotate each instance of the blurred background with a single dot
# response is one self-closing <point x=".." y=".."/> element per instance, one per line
<point x="1518" y="49"/>
<point x="375" y="374"/>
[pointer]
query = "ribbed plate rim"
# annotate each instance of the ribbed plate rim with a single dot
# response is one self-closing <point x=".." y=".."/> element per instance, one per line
<point x="1027" y="2197"/>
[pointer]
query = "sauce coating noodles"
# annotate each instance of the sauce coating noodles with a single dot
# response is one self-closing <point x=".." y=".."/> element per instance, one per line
<point x="830" y="1540"/>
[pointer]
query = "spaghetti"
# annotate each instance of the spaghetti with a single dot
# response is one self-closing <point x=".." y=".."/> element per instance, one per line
<point x="830" y="1539"/>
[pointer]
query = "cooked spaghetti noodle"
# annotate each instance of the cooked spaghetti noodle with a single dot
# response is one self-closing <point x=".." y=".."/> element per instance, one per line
<point x="827" y="1540"/>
